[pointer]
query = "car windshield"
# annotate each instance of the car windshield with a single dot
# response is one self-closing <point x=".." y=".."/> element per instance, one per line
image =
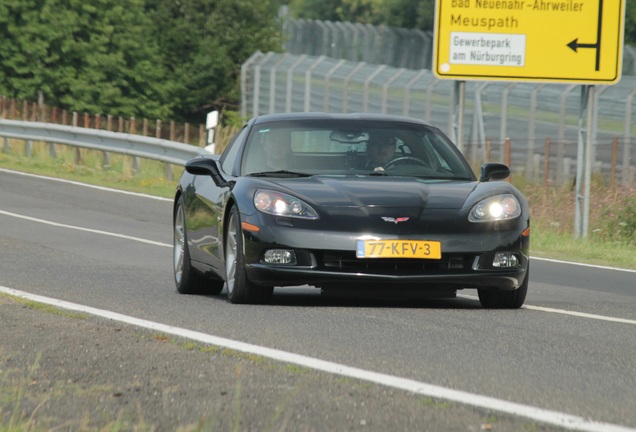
<point x="330" y="147"/>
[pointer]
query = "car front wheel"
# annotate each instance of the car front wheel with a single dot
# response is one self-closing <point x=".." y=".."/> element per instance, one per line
<point x="239" y="287"/>
<point x="186" y="278"/>
<point x="505" y="299"/>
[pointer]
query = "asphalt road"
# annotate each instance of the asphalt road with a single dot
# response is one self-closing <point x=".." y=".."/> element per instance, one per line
<point x="545" y="355"/>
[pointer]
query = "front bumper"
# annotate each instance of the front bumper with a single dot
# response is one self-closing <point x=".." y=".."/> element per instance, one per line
<point x="331" y="263"/>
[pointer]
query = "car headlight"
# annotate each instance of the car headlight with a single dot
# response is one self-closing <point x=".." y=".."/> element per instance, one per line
<point x="281" y="204"/>
<point x="496" y="208"/>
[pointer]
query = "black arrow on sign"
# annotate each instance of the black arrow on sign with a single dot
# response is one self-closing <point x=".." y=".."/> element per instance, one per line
<point x="575" y="45"/>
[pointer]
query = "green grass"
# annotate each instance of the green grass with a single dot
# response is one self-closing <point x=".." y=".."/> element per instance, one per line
<point x="611" y="239"/>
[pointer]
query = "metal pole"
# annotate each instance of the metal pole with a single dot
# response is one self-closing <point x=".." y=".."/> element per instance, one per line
<point x="589" y="155"/>
<point x="457" y="114"/>
<point x="503" y="132"/>
<point x="578" y="229"/>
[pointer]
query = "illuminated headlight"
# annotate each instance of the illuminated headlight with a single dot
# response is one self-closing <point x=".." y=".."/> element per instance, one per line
<point x="279" y="256"/>
<point x="280" y="204"/>
<point x="497" y="208"/>
<point x="505" y="260"/>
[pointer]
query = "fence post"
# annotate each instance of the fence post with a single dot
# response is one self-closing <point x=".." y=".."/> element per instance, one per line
<point x="78" y="150"/>
<point x="614" y="157"/>
<point x="506" y="155"/>
<point x="3" y="114"/>
<point x="28" y="145"/>
<point x="567" y="168"/>
<point x="136" y="159"/>
<point x="166" y="168"/>
<point x="503" y="128"/>
<point x="627" y="139"/>
<point x="106" y="155"/>
<point x="546" y="167"/>
<point x="531" y="127"/>
<point x="201" y="135"/>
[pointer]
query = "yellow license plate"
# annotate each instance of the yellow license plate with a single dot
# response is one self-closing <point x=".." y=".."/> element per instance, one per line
<point x="423" y="249"/>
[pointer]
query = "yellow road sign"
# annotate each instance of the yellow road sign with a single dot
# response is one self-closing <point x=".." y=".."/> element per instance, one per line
<point x="532" y="40"/>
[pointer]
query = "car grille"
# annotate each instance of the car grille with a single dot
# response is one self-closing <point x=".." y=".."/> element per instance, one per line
<point x="347" y="261"/>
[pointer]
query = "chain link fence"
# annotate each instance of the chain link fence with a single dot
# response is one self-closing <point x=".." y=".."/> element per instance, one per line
<point x="534" y="120"/>
<point x="392" y="46"/>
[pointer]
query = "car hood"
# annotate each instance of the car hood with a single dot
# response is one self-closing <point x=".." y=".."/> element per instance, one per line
<point x="385" y="192"/>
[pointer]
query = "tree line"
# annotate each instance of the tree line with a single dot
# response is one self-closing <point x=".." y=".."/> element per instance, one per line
<point x="164" y="59"/>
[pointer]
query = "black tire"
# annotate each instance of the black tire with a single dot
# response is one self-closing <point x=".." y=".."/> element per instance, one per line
<point x="239" y="288"/>
<point x="186" y="278"/>
<point x="505" y="299"/>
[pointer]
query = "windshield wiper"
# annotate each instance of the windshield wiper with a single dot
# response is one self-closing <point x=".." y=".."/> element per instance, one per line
<point x="280" y="173"/>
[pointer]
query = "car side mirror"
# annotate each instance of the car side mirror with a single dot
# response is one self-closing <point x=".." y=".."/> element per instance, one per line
<point x="494" y="171"/>
<point x="206" y="167"/>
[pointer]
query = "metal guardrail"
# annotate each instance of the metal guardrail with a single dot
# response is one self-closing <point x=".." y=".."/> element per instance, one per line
<point x="128" y="144"/>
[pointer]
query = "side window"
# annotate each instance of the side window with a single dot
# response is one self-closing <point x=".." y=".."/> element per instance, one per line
<point x="228" y="158"/>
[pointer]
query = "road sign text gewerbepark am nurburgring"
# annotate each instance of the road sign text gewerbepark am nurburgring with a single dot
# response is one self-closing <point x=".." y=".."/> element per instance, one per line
<point x="574" y="41"/>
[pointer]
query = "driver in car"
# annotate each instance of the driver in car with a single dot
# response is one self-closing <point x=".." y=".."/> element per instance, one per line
<point x="380" y="150"/>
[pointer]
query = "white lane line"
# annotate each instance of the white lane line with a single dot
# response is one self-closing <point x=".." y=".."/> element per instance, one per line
<point x="560" y="419"/>
<point x="106" y="233"/>
<point x="583" y="265"/>
<point x="102" y="188"/>
<point x="581" y="314"/>
<point x="565" y="312"/>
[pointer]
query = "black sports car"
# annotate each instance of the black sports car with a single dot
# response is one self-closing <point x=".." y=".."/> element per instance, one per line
<point x="376" y="203"/>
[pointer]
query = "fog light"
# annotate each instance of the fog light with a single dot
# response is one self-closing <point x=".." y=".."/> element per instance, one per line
<point x="505" y="259"/>
<point x="280" y="256"/>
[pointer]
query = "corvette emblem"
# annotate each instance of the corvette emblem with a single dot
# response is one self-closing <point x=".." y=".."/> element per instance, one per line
<point x="394" y="220"/>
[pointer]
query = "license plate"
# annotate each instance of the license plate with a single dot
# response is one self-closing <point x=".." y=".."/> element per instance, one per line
<point x="423" y="249"/>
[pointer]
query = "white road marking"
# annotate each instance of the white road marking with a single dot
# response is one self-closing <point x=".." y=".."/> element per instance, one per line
<point x="583" y="265"/>
<point x="106" y="233"/>
<point x="102" y="188"/>
<point x="560" y="419"/>
<point x="565" y="312"/>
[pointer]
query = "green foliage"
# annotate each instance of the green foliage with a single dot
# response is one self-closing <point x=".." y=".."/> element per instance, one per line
<point x="396" y="13"/>
<point x="316" y="9"/>
<point x="94" y="56"/>
<point x="204" y="45"/>
<point x="630" y="21"/>
<point x="618" y="217"/>
<point x="145" y="58"/>
<point x="410" y="14"/>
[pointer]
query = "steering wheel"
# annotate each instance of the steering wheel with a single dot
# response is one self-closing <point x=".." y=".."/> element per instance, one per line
<point x="402" y="160"/>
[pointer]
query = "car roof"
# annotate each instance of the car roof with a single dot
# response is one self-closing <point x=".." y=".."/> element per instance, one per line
<point x="267" y="118"/>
